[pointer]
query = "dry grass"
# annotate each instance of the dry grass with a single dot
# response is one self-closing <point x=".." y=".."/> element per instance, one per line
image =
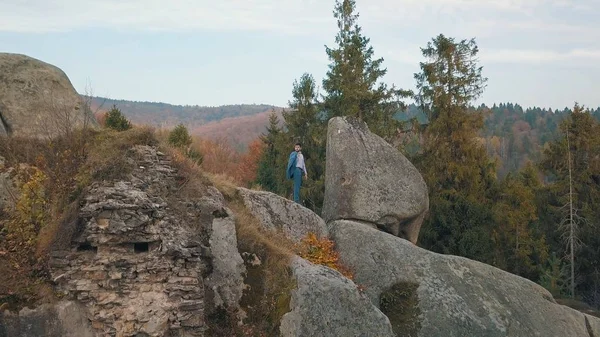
<point x="269" y="279"/>
<point x="107" y="156"/>
<point x="225" y="184"/>
<point x="267" y="256"/>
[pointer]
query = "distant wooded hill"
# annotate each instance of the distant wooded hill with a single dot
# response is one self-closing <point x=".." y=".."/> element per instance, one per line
<point x="168" y="115"/>
<point x="512" y="134"/>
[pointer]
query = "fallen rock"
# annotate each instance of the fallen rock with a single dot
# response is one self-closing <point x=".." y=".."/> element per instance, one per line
<point x="37" y="99"/>
<point x="444" y="295"/>
<point x="326" y="303"/>
<point x="366" y="179"/>
<point x="63" y="319"/>
<point x="278" y="213"/>
<point x="226" y="282"/>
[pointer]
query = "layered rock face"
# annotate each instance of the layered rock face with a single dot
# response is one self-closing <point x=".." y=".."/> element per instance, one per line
<point x="37" y="99"/>
<point x="367" y="180"/>
<point x="142" y="262"/>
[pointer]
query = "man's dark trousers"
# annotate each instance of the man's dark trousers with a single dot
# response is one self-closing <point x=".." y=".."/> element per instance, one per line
<point x="297" y="183"/>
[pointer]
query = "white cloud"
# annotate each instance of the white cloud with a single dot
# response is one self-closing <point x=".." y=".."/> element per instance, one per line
<point x="173" y="15"/>
<point x="287" y="16"/>
<point x="497" y="22"/>
<point x="540" y="56"/>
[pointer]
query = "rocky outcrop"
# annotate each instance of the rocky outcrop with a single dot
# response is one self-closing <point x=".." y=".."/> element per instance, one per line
<point x="140" y="257"/>
<point x="280" y="214"/>
<point x="367" y="180"/>
<point x="63" y="319"/>
<point x="326" y="303"/>
<point x="449" y="295"/>
<point x="226" y="281"/>
<point x="37" y="99"/>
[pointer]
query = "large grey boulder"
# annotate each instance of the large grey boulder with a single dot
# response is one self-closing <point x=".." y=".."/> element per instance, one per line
<point x="366" y="179"/>
<point x="326" y="304"/>
<point x="63" y="319"/>
<point x="37" y="99"/>
<point x="280" y="214"/>
<point x="449" y="295"/>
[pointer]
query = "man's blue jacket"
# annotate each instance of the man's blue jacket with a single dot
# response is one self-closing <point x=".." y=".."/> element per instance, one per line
<point x="291" y="166"/>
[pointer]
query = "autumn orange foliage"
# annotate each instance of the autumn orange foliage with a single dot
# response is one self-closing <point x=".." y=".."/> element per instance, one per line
<point x="322" y="251"/>
<point x="220" y="158"/>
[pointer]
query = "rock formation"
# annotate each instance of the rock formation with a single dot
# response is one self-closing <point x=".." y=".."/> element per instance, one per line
<point x="37" y="99"/>
<point x="449" y="295"/>
<point x="280" y="214"/>
<point x="326" y="303"/>
<point x="146" y="261"/>
<point x="367" y="180"/>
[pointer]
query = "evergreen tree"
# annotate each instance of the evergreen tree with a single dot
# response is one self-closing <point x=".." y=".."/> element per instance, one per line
<point x="267" y="176"/>
<point x="352" y="84"/>
<point x="116" y="120"/>
<point x="574" y="164"/>
<point x="305" y="124"/>
<point x="449" y="81"/>
<point x="520" y="245"/>
<point x="352" y="88"/>
<point x="452" y="160"/>
<point x="179" y="137"/>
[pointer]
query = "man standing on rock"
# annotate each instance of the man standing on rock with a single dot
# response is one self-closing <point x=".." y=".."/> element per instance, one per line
<point x="295" y="169"/>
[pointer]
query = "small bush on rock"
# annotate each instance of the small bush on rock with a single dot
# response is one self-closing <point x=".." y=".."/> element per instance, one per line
<point x="321" y="251"/>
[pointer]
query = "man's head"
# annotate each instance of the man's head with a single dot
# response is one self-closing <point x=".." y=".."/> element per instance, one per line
<point x="298" y="147"/>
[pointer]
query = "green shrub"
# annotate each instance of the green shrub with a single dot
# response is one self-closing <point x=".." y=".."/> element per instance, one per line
<point x="179" y="137"/>
<point x="116" y="120"/>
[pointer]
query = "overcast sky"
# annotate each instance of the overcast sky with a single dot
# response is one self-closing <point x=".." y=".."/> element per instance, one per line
<point x="534" y="52"/>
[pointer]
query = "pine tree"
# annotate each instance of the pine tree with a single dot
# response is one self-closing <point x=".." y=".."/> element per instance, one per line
<point x="452" y="160"/>
<point x="449" y="81"/>
<point x="352" y="88"/>
<point x="521" y="247"/>
<point x="267" y="176"/>
<point x="116" y="120"/>
<point x="574" y="164"/>
<point x="179" y="137"/>
<point x="352" y="84"/>
<point x="305" y="124"/>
